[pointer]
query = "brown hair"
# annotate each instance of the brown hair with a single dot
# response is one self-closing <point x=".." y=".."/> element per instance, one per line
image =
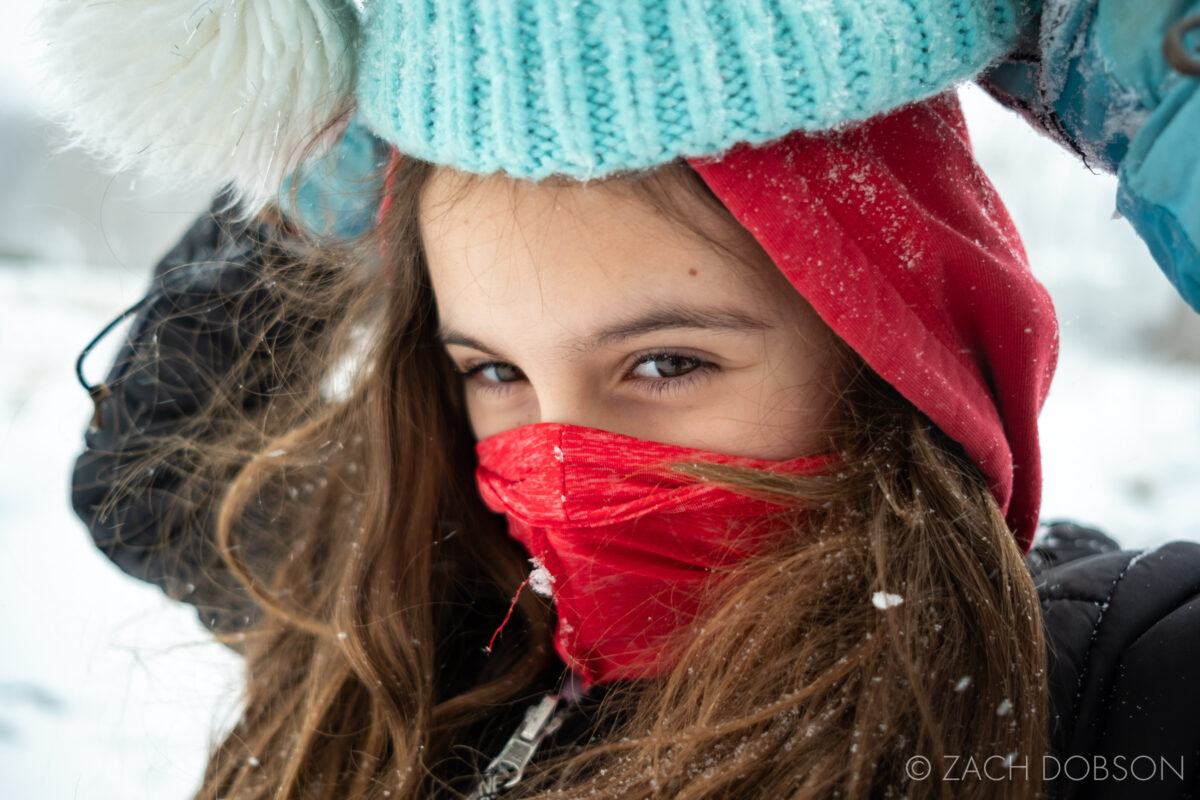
<point x="383" y="577"/>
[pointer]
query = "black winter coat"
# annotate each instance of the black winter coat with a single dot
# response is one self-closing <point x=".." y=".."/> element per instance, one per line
<point x="1123" y="627"/>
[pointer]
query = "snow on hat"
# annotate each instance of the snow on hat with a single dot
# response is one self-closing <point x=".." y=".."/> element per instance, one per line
<point x="233" y="90"/>
<point x="894" y="235"/>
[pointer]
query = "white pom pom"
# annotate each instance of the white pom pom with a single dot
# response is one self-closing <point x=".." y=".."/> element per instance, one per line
<point x="208" y="91"/>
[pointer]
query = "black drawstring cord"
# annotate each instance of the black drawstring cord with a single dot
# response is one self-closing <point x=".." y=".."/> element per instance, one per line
<point x="1175" y="50"/>
<point x="98" y="392"/>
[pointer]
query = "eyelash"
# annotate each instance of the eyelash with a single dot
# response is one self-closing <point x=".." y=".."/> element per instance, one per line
<point x="658" y="387"/>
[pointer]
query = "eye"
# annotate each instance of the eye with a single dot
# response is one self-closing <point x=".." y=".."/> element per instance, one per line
<point x="665" y="366"/>
<point x="664" y="375"/>
<point x="492" y="376"/>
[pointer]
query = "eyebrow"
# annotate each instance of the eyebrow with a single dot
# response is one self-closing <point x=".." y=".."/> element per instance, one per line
<point x="656" y="319"/>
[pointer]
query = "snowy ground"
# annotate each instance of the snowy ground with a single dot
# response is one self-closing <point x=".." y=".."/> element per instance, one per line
<point x="108" y="692"/>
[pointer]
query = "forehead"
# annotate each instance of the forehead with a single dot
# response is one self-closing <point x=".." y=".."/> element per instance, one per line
<point x="500" y="237"/>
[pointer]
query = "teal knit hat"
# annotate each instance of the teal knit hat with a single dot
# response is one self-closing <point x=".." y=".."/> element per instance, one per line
<point x="586" y="88"/>
<point x="235" y="91"/>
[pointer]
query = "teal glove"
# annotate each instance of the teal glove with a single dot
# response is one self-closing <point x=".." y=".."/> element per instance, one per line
<point x="338" y="195"/>
<point x="1096" y="79"/>
<point x="1159" y="190"/>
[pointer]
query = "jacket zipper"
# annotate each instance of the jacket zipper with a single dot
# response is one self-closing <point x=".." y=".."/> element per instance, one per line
<point x="506" y="770"/>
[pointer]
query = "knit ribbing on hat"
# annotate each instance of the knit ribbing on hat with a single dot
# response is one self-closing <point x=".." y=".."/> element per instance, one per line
<point x="587" y="88"/>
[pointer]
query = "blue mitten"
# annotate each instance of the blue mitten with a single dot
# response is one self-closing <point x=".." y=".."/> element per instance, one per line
<point x="1097" y="80"/>
<point x="338" y="195"/>
<point x="1159" y="191"/>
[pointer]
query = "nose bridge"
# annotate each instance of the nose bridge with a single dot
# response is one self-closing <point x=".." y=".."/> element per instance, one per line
<point x="566" y="398"/>
<point x="568" y="408"/>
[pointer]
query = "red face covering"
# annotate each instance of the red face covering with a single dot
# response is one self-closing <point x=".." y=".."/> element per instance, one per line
<point x="624" y="546"/>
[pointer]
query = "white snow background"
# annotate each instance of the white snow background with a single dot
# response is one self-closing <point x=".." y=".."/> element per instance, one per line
<point x="110" y="692"/>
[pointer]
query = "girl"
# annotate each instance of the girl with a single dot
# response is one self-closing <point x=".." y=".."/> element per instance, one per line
<point x="758" y="431"/>
<point x="687" y="391"/>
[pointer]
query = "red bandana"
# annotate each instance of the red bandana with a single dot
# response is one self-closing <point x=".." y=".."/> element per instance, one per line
<point x="624" y="546"/>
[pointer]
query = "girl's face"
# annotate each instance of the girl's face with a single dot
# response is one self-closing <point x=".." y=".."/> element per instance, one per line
<point x="583" y="304"/>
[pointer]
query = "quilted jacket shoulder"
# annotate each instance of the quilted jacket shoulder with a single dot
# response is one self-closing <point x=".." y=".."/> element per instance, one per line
<point x="1123" y="640"/>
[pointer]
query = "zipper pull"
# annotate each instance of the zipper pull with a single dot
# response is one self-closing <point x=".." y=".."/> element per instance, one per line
<point x="506" y="770"/>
